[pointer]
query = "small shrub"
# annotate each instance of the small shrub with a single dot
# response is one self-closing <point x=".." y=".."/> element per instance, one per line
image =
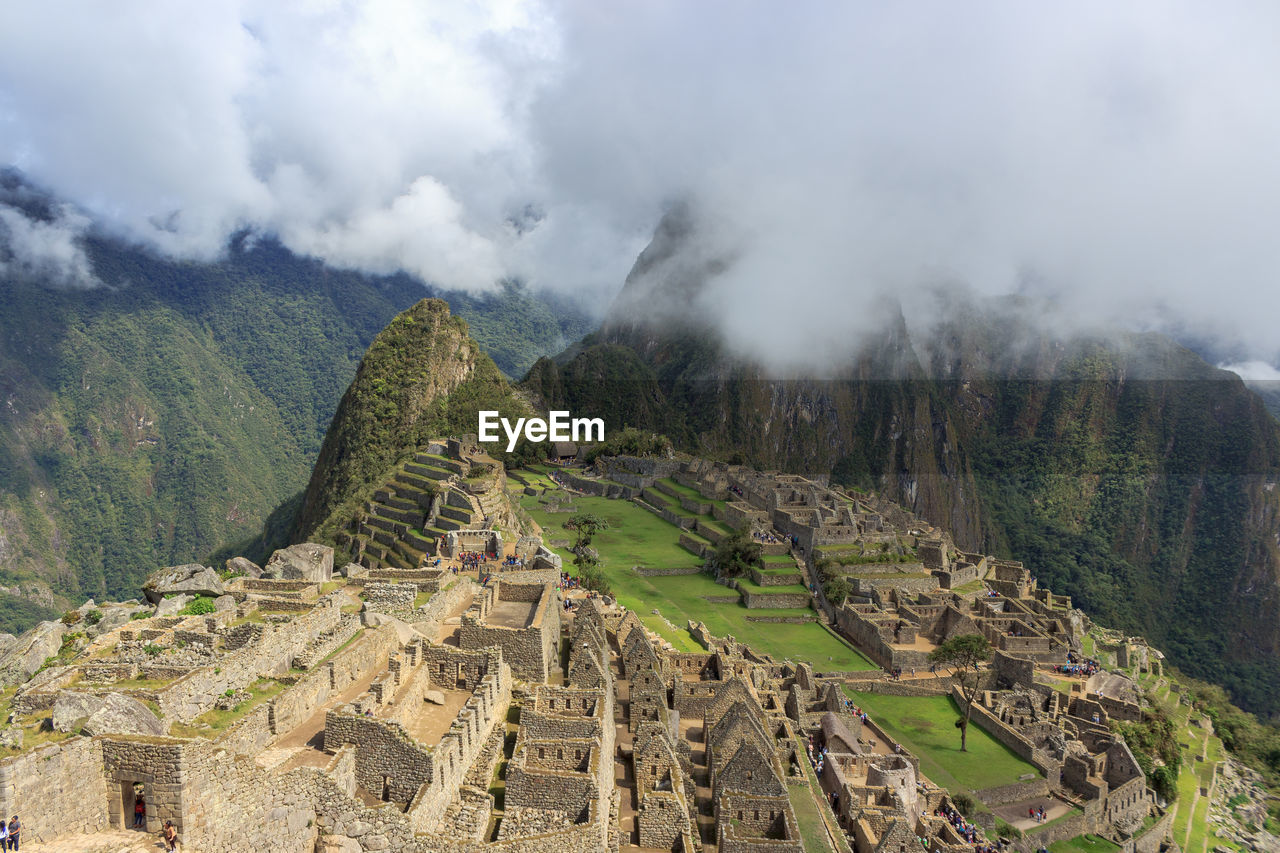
<point x="141" y="614"/>
<point x="963" y="804"/>
<point x="93" y="617"/>
<point x="71" y="617"/>
<point x="152" y="649"/>
<point x="200" y="606"/>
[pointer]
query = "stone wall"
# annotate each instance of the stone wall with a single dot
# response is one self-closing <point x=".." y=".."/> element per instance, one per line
<point x="760" y="578"/>
<point x="382" y="597"/>
<point x="57" y="789"/>
<point x="773" y="600"/>
<point x="367" y="654"/>
<point x="389" y="764"/>
<point x="273" y="654"/>
<point x="532" y="651"/>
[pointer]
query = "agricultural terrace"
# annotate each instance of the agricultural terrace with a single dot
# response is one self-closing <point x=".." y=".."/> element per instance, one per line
<point x="637" y="537"/>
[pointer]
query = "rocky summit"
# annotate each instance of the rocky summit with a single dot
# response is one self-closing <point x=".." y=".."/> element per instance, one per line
<point x="762" y="663"/>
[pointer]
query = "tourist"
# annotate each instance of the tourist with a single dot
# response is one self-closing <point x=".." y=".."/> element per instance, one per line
<point x="139" y="812"/>
<point x="15" y="827"/>
<point x="4" y="835"/>
<point x="170" y="835"/>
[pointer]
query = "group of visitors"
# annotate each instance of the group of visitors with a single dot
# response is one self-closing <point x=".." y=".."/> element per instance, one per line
<point x="566" y="582"/>
<point x="472" y="560"/>
<point x="513" y="562"/>
<point x="856" y="711"/>
<point x="819" y="758"/>
<point x="10" y="833"/>
<point x="1077" y="667"/>
<point x="968" y="831"/>
<point x="1037" y="813"/>
<point x="767" y="537"/>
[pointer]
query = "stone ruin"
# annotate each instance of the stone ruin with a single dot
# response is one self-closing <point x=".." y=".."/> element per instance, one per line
<point x="388" y="706"/>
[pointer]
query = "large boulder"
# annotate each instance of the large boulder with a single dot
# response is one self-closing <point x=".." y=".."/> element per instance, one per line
<point x="123" y="715"/>
<point x="305" y="562"/>
<point x="193" y="579"/>
<point x="243" y="567"/>
<point x="28" y="652"/>
<point x="72" y="709"/>
<point x="173" y="605"/>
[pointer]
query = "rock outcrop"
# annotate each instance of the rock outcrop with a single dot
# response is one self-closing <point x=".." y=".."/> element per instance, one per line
<point x="29" y="652"/>
<point x="192" y="579"/>
<point x="308" y="562"/>
<point x="123" y="715"/>
<point x="242" y="566"/>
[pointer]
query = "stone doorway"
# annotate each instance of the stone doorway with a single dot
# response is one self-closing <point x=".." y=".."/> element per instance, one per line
<point x="124" y="794"/>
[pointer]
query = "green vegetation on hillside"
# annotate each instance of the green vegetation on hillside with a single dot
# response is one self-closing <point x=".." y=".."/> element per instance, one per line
<point x="170" y="413"/>
<point x="422" y="378"/>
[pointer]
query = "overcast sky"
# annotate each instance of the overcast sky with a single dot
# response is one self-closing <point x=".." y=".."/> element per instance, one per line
<point x="1119" y="160"/>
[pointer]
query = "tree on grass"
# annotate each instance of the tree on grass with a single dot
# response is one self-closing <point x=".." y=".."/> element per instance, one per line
<point x="585" y="526"/>
<point x="965" y="654"/>
<point x="734" y="556"/>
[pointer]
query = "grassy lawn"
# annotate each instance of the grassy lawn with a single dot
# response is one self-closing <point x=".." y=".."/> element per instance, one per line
<point x="1084" y="844"/>
<point x="638" y="537"/>
<point x="926" y="727"/>
<point x="635" y="536"/>
<point x="812" y="833"/>
<point x="808" y="819"/>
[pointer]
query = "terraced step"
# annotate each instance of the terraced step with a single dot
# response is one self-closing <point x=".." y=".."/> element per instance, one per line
<point x="413" y="555"/>
<point x="389" y="525"/>
<point x="438" y="461"/>
<point x="449" y="524"/>
<point x="384" y="497"/>
<point x="397" y="560"/>
<point x="428" y="471"/>
<point x="421" y="484"/>
<point x="455" y="513"/>
<point x="458" y="499"/>
<point x="420" y="543"/>
<point x="404" y="516"/>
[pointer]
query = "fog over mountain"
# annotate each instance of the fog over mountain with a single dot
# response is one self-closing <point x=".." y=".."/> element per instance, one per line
<point x="1112" y="164"/>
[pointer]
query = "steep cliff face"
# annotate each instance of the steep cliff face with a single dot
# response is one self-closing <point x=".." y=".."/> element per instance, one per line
<point x="422" y="378"/>
<point x="1123" y="470"/>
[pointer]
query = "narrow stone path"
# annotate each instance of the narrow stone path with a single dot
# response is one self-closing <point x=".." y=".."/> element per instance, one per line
<point x="117" y="841"/>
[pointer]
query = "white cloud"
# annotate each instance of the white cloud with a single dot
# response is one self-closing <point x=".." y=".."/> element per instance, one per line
<point x="1253" y="371"/>
<point x="1118" y="156"/>
<point x="50" y="251"/>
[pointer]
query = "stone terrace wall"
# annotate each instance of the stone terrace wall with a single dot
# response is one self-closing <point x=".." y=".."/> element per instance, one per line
<point x="368" y="654"/>
<point x="58" y="789"/>
<point x="390" y="597"/>
<point x="231" y="805"/>
<point x="273" y="654"/>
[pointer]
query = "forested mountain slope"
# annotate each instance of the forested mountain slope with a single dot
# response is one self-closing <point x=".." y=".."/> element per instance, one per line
<point x="166" y="414"/>
<point x="1123" y="469"/>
